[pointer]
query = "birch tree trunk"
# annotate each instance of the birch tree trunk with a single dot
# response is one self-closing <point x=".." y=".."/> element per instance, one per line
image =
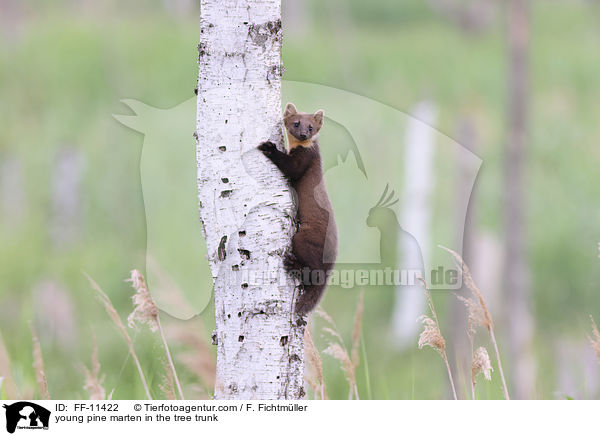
<point x="418" y="180"/>
<point x="516" y="269"/>
<point x="246" y="206"/>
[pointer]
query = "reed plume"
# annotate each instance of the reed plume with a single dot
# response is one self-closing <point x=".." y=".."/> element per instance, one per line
<point x="337" y="350"/>
<point x="314" y="365"/>
<point x="481" y="365"/>
<point x="146" y="312"/>
<point x="116" y="319"/>
<point x="432" y="336"/>
<point x="479" y="315"/>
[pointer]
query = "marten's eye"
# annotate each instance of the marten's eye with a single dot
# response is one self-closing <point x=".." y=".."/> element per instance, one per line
<point x="310" y="128"/>
<point x="297" y="124"/>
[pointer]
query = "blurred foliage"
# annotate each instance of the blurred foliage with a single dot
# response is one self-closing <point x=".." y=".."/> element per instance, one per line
<point x="64" y="66"/>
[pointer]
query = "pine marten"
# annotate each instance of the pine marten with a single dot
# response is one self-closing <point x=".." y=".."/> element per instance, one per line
<point x="314" y="246"/>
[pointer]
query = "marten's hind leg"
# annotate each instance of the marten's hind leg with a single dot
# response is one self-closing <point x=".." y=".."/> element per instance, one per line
<point x="307" y="257"/>
<point x="305" y="253"/>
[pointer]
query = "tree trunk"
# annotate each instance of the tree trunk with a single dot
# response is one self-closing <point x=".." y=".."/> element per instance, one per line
<point x="246" y="206"/>
<point x="419" y="157"/>
<point x="516" y="272"/>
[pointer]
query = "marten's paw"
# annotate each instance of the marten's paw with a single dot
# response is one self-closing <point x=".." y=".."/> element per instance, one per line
<point x="291" y="264"/>
<point x="267" y="148"/>
<point x="308" y="299"/>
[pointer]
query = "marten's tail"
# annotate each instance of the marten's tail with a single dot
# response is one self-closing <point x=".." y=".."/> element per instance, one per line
<point x="309" y="298"/>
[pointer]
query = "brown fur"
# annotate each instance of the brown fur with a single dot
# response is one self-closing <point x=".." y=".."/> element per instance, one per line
<point x="314" y="246"/>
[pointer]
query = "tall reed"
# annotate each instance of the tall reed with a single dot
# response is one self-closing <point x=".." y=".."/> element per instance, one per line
<point x="348" y="361"/>
<point x="432" y="336"/>
<point x="146" y="311"/>
<point x="114" y="316"/>
<point x="93" y="378"/>
<point x="38" y="365"/>
<point x="478" y="312"/>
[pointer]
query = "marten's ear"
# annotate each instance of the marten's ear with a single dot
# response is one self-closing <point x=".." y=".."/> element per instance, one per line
<point x="319" y="118"/>
<point x="290" y="110"/>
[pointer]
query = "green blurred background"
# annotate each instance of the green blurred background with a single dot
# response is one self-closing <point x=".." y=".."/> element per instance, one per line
<point x="72" y="200"/>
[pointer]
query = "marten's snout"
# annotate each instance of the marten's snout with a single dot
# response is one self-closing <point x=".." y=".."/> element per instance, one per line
<point x="303" y="137"/>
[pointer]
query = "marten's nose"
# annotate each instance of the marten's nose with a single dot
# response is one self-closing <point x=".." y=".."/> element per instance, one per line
<point x="303" y="137"/>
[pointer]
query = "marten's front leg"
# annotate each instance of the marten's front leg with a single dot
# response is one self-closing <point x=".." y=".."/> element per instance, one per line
<point x="292" y="165"/>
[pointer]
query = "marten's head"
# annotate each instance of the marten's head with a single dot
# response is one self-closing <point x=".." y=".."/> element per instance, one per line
<point x="302" y="128"/>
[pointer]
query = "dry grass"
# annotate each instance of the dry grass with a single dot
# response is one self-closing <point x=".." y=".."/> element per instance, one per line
<point x="144" y="308"/>
<point x="10" y="387"/>
<point x="356" y="332"/>
<point x="146" y="312"/>
<point x="595" y="338"/>
<point x="167" y="386"/>
<point x="314" y="365"/>
<point x="198" y="356"/>
<point x="38" y="365"/>
<point x="479" y="315"/>
<point x="337" y="350"/>
<point x="114" y="316"/>
<point x="93" y="378"/>
<point x="481" y="365"/>
<point x="432" y="337"/>
<point x="476" y="318"/>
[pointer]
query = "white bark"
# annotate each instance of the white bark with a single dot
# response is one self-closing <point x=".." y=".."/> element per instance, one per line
<point x="246" y="206"/>
<point x="416" y="219"/>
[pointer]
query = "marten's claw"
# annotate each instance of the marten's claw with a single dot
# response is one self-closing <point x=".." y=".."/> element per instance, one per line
<point x="291" y="263"/>
<point x="267" y="147"/>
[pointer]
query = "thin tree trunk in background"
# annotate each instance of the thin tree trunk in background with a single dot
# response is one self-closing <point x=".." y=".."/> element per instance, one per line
<point x="474" y="16"/>
<point x="11" y="21"/>
<point x="295" y="18"/>
<point x="517" y="281"/>
<point x="246" y="207"/>
<point x="419" y="178"/>
<point x="180" y="9"/>
<point x="69" y="166"/>
<point x="342" y="30"/>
